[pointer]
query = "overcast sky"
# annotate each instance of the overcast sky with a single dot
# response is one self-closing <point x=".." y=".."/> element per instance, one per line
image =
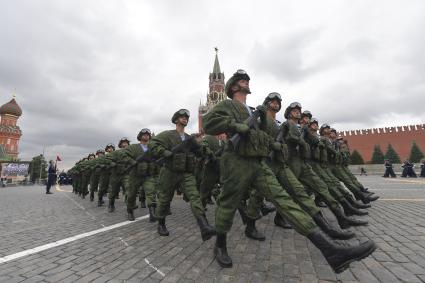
<point x="89" y="72"/>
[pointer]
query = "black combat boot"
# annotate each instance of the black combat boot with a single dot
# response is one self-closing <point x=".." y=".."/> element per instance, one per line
<point x="266" y="209"/>
<point x="220" y="251"/>
<point x="142" y="199"/>
<point x="345" y="221"/>
<point x="319" y="202"/>
<point x="91" y="196"/>
<point x="281" y="221"/>
<point x="209" y="201"/>
<point x="350" y="210"/>
<point x="365" y="197"/>
<point x="252" y="232"/>
<point x="130" y="215"/>
<point x="357" y="204"/>
<point x="207" y="231"/>
<point x="333" y="231"/>
<point x="111" y="206"/>
<point x="339" y="257"/>
<point x="83" y="195"/>
<point x="152" y="218"/>
<point x="162" y="229"/>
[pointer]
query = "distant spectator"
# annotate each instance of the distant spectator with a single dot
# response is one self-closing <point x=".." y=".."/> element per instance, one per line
<point x="51" y="178"/>
<point x="363" y="171"/>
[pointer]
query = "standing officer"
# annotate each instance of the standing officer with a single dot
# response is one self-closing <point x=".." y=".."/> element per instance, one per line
<point x="244" y="167"/>
<point x="51" y="178"/>
<point x="178" y="150"/>
<point x="143" y="173"/>
<point x="119" y="176"/>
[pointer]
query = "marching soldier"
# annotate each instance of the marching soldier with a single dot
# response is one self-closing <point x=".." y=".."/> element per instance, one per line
<point x="178" y="150"/>
<point x="389" y="171"/>
<point x="95" y="173"/>
<point x="105" y="173"/>
<point x="245" y="168"/>
<point x="119" y="176"/>
<point x="143" y="173"/>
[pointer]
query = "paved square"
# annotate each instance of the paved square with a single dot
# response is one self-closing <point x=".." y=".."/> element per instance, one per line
<point x="134" y="253"/>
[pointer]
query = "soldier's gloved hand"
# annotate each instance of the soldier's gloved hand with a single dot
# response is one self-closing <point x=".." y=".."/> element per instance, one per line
<point x="167" y="153"/>
<point x="262" y="109"/>
<point x="276" y="146"/>
<point x="240" y="128"/>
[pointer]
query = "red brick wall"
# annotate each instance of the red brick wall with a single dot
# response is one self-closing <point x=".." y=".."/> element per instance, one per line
<point x="401" y="139"/>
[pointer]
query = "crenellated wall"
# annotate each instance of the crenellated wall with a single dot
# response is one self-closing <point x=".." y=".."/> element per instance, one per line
<point x="400" y="137"/>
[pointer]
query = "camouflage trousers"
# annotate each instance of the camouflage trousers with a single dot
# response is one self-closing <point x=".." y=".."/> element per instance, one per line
<point x="168" y="182"/>
<point x="239" y="175"/>
<point x="147" y="183"/>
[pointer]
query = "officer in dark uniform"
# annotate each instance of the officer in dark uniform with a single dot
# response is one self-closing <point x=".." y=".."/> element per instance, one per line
<point x="51" y="178"/>
<point x="389" y="169"/>
<point x="423" y="168"/>
<point x="408" y="170"/>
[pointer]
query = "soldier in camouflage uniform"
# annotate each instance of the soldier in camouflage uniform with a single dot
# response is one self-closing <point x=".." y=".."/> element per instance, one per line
<point x="143" y="173"/>
<point x="278" y="162"/>
<point x="317" y="146"/>
<point x="95" y="173"/>
<point x="105" y="172"/>
<point x="244" y="167"/>
<point x="334" y="158"/>
<point x="85" y="175"/>
<point x="178" y="150"/>
<point x="299" y="155"/>
<point x="119" y="176"/>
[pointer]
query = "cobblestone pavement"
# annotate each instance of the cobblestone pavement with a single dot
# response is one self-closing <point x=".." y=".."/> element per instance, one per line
<point x="134" y="252"/>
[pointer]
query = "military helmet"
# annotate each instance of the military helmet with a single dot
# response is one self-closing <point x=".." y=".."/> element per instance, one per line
<point x="109" y="145"/>
<point x="291" y="106"/>
<point x="100" y="151"/>
<point x="239" y="75"/>
<point x="123" y="139"/>
<point x="324" y="126"/>
<point x="273" y="96"/>
<point x="180" y="113"/>
<point x="314" y="120"/>
<point x="142" y="132"/>
<point x="91" y="154"/>
<point x="333" y="130"/>
<point x="306" y="113"/>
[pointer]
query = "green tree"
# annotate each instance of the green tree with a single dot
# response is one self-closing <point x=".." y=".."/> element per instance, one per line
<point x="392" y="155"/>
<point x="377" y="156"/>
<point x="415" y="153"/>
<point x="356" y="158"/>
<point x="37" y="166"/>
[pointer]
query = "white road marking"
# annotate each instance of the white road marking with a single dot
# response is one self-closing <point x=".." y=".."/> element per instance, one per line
<point x="156" y="269"/>
<point x="67" y="240"/>
<point x="402" y="199"/>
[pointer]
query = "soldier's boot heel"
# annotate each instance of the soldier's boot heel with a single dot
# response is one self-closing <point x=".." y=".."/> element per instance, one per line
<point x="345" y="221"/>
<point x="162" y="229"/>
<point x="207" y="231"/>
<point x="130" y="214"/>
<point x="220" y="251"/>
<point x="152" y="218"/>
<point x="319" y="202"/>
<point x="350" y="210"/>
<point x="331" y="230"/>
<point x="281" y="221"/>
<point x="243" y="215"/>
<point x="252" y="232"/>
<point x="357" y="204"/>
<point x="339" y="257"/>
<point x="266" y="209"/>
<point x="111" y="206"/>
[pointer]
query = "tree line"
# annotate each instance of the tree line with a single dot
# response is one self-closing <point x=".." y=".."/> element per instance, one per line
<point x="378" y="156"/>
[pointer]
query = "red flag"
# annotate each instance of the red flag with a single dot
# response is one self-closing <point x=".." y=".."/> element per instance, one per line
<point x="58" y="158"/>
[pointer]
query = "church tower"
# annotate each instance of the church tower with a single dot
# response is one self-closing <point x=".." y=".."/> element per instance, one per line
<point x="10" y="133"/>
<point x="216" y="91"/>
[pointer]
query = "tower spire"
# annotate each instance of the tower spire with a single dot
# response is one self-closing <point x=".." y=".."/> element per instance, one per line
<point x="216" y="68"/>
